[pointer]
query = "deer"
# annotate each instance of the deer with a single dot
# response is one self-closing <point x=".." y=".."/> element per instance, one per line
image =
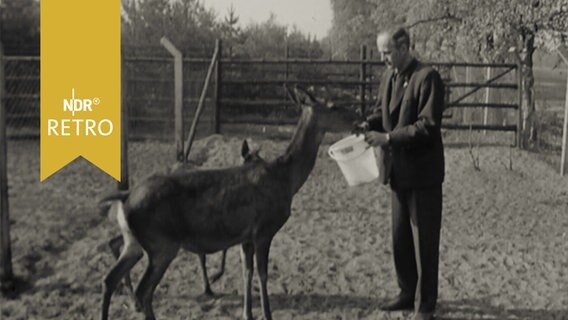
<point x="205" y="211"/>
<point x="115" y="244"/>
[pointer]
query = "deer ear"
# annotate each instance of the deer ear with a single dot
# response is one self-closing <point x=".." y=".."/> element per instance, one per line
<point x="245" y="148"/>
<point x="292" y="94"/>
<point x="306" y="95"/>
<point x="328" y="98"/>
<point x="300" y="98"/>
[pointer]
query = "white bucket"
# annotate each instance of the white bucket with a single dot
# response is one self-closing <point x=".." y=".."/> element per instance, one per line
<point x="356" y="159"/>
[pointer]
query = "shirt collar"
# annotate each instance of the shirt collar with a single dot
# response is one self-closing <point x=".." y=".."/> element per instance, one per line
<point x="408" y="69"/>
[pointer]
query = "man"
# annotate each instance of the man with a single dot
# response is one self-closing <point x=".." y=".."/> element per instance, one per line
<point x="406" y="125"/>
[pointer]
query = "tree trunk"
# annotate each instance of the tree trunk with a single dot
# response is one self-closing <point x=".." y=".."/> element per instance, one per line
<point x="530" y="123"/>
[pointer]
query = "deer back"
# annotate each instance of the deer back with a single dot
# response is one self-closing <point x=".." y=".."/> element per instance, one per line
<point x="208" y="210"/>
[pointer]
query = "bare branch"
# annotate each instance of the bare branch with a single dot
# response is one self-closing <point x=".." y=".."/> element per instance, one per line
<point x="473" y="156"/>
<point x="435" y="19"/>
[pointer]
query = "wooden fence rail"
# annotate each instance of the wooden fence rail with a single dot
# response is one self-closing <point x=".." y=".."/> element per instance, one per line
<point x="357" y="78"/>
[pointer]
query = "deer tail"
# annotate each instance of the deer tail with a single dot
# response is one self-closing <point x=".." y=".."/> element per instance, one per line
<point x="106" y="202"/>
<point x="130" y="241"/>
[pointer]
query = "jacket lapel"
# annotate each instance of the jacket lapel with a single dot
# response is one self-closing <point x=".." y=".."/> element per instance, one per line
<point x="386" y="96"/>
<point x="399" y="88"/>
<point x="409" y="78"/>
<point x="398" y="93"/>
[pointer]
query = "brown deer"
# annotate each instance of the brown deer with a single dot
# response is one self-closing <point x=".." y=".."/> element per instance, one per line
<point x="211" y="210"/>
<point x="248" y="155"/>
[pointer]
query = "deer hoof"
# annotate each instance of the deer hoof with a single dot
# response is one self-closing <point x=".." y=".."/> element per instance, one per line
<point x="209" y="293"/>
<point x="216" y="277"/>
<point x="205" y="296"/>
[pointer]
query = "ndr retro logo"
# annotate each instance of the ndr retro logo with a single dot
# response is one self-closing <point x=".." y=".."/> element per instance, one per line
<point x="83" y="126"/>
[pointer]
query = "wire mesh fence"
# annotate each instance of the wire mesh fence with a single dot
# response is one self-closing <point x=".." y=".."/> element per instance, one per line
<point x="22" y="96"/>
<point x="150" y="97"/>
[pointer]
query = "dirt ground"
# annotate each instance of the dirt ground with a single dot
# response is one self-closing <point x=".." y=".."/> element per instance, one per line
<point x="504" y="247"/>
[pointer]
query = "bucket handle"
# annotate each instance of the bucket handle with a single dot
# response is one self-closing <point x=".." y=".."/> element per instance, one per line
<point x="331" y="154"/>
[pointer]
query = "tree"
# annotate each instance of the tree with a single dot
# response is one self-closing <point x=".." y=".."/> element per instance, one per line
<point x="488" y="29"/>
<point x="265" y="39"/>
<point x="184" y="22"/>
<point x="20" y="26"/>
<point x="302" y="46"/>
<point x="353" y="26"/>
<point x="230" y="31"/>
<point x="471" y="30"/>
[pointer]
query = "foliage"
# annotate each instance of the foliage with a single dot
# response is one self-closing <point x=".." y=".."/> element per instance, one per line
<point x="184" y="22"/>
<point x="19" y="31"/>
<point x="187" y="23"/>
<point x="194" y="29"/>
<point x="263" y="39"/>
<point x="464" y="30"/>
<point x="493" y="27"/>
<point x="352" y="26"/>
<point x="471" y="30"/>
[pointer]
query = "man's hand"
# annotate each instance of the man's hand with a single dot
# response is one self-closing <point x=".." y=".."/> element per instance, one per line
<point x="376" y="139"/>
<point x="360" y="127"/>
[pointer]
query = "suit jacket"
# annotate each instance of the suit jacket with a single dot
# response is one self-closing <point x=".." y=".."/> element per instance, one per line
<point x="412" y="115"/>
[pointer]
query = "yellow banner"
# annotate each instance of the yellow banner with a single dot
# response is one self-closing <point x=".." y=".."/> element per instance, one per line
<point x="80" y="84"/>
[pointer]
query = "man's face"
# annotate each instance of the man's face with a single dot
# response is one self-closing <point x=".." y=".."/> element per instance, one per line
<point x="393" y="56"/>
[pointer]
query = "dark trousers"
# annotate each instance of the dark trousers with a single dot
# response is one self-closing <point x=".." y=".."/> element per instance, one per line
<point x="416" y="222"/>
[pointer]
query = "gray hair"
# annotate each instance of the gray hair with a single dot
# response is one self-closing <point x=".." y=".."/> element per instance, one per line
<point x="398" y="36"/>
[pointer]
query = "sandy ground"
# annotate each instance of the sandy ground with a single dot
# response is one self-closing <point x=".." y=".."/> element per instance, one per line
<point x="503" y="252"/>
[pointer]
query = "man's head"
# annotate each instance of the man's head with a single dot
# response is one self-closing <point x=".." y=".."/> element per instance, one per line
<point x="394" y="47"/>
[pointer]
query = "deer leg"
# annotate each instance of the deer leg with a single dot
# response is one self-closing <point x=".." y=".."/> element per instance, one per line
<point x="262" y="249"/>
<point x="219" y="273"/>
<point x="247" y="251"/>
<point x="206" y="287"/>
<point x="158" y="261"/>
<point x="131" y="254"/>
<point x="115" y="244"/>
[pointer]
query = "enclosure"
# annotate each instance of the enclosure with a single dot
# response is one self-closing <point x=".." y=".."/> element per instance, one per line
<point x="502" y="253"/>
<point x="504" y="222"/>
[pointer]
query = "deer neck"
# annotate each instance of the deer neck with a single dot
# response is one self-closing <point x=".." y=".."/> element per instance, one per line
<point x="300" y="156"/>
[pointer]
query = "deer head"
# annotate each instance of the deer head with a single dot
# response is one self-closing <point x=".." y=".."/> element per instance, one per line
<point x="250" y="154"/>
<point x="330" y="117"/>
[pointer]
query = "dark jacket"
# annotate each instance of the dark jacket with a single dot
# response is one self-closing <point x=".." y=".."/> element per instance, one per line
<point x="413" y="116"/>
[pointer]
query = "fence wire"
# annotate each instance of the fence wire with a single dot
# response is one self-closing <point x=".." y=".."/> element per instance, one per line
<point x="22" y="97"/>
<point x="151" y="91"/>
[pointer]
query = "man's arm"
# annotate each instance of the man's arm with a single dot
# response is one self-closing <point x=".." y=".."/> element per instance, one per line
<point x="375" y="121"/>
<point x="371" y="122"/>
<point x="375" y="135"/>
<point x="430" y="108"/>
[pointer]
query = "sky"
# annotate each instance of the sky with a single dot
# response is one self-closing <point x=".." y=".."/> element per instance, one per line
<point x="309" y="16"/>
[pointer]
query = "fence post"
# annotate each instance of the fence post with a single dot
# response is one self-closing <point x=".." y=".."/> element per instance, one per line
<point x="520" y="106"/>
<point x="467" y="116"/>
<point x="178" y="95"/>
<point x="563" y="162"/>
<point x="458" y="111"/>
<point x="218" y="80"/>
<point x="487" y="99"/>
<point x="363" y="76"/>
<point x="6" y="273"/>
<point x="286" y="56"/>
<point x="214" y="62"/>
<point x="124" y="183"/>
<point x="370" y="74"/>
